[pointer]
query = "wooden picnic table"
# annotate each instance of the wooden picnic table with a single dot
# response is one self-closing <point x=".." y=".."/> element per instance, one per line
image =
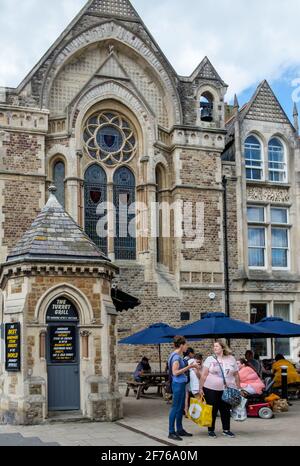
<point x="149" y="379"/>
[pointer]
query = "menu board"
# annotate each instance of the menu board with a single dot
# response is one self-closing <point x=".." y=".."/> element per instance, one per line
<point x="61" y="309"/>
<point x="63" y="344"/>
<point x="13" y="347"/>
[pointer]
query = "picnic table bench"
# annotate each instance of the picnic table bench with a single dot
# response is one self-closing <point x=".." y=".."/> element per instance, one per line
<point x="154" y="379"/>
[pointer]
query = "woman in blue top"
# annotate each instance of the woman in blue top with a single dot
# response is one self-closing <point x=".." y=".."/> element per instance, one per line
<point x="179" y="380"/>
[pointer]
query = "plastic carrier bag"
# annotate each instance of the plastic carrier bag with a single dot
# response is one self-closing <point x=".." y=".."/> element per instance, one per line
<point x="239" y="413"/>
<point x="200" y="412"/>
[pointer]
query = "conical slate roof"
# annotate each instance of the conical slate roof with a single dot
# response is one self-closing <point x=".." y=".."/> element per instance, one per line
<point x="55" y="235"/>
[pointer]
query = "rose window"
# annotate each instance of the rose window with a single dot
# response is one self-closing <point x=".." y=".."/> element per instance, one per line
<point x="109" y="138"/>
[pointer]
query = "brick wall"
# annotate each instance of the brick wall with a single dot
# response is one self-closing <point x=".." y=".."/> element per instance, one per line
<point x="21" y="153"/>
<point x="21" y="204"/>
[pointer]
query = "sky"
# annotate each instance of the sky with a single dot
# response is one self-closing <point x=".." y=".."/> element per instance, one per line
<point x="246" y="41"/>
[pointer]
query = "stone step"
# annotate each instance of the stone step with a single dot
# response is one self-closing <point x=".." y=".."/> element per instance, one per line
<point x="66" y="416"/>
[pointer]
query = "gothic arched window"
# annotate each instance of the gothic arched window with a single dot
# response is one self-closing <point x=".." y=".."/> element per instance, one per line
<point x="253" y="158"/>
<point x="277" y="162"/>
<point x="124" y="198"/>
<point x="95" y="193"/>
<point x="59" y="174"/>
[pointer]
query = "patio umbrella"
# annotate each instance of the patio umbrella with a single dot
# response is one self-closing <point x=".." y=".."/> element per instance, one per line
<point x="218" y="325"/>
<point x="156" y="334"/>
<point x="281" y="328"/>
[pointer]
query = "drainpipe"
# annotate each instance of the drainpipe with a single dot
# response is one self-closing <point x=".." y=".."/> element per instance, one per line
<point x="226" y="262"/>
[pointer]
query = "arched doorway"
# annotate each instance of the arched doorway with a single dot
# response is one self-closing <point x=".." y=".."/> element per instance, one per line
<point x="63" y="356"/>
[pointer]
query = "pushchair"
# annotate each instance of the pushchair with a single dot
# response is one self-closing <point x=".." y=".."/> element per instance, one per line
<point x="257" y="406"/>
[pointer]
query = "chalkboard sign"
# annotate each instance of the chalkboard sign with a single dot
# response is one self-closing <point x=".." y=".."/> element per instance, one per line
<point x="13" y="347"/>
<point x="62" y="310"/>
<point x="63" y="344"/>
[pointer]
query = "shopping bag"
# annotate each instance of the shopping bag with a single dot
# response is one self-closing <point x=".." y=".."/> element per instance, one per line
<point x="239" y="413"/>
<point x="200" y="412"/>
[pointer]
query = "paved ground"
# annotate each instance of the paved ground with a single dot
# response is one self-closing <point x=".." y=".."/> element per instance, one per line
<point x="146" y="423"/>
<point x="73" y="434"/>
<point x="151" y="416"/>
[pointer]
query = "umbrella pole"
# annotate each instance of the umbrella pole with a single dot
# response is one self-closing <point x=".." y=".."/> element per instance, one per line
<point x="159" y="352"/>
<point x="272" y="349"/>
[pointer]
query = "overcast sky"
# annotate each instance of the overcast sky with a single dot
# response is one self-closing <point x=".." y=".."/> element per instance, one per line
<point x="247" y="41"/>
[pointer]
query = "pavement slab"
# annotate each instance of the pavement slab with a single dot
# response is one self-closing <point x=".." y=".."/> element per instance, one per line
<point x="152" y="416"/>
<point x="145" y="423"/>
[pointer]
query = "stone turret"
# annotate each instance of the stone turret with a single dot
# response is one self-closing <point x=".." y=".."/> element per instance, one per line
<point x="60" y="324"/>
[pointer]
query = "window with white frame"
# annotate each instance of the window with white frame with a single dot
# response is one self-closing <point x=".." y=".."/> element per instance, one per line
<point x="253" y="158"/>
<point x="256" y="237"/>
<point x="277" y="161"/>
<point x="268" y="237"/>
<point x="280" y="238"/>
<point x="258" y="311"/>
<point x="282" y="345"/>
<point x="262" y="346"/>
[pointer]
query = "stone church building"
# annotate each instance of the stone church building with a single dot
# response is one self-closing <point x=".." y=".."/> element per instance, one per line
<point x="105" y="118"/>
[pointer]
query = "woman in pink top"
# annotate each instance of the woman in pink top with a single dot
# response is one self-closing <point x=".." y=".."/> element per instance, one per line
<point x="212" y="383"/>
<point x="250" y="380"/>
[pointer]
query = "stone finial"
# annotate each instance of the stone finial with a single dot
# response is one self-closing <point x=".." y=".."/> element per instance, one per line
<point x="236" y="102"/>
<point x="296" y="117"/>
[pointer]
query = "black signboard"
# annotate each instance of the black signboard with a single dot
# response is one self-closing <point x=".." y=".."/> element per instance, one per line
<point x="63" y="344"/>
<point x="62" y="310"/>
<point x="13" y="347"/>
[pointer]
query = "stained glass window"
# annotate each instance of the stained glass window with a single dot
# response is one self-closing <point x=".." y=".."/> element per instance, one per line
<point x="124" y="199"/>
<point x="95" y="193"/>
<point x="109" y="138"/>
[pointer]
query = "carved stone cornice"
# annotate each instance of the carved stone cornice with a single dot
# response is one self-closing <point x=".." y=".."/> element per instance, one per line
<point x="32" y="269"/>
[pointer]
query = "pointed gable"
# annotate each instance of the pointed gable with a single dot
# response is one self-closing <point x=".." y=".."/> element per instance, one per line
<point x="55" y="235"/>
<point x="264" y="106"/>
<point x="206" y="71"/>
<point x="116" y="8"/>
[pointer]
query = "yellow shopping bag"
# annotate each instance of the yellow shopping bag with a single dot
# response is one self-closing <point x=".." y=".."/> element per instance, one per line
<point x="200" y="412"/>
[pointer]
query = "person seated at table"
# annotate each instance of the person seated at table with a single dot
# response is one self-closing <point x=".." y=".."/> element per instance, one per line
<point x="249" y="356"/>
<point x="249" y="378"/>
<point x="142" y="368"/>
<point x="263" y="372"/>
<point x="292" y="374"/>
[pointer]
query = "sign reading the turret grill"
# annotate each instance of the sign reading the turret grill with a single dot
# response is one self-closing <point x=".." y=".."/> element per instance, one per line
<point x="13" y="347"/>
<point x="62" y="310"/>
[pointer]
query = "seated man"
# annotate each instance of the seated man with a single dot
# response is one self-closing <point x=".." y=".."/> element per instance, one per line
<point x="142" y="368"/>
<point x="249" y="356"/>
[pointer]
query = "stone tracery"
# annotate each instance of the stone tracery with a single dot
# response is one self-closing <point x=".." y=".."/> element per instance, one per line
<point x="109" y="138"/>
